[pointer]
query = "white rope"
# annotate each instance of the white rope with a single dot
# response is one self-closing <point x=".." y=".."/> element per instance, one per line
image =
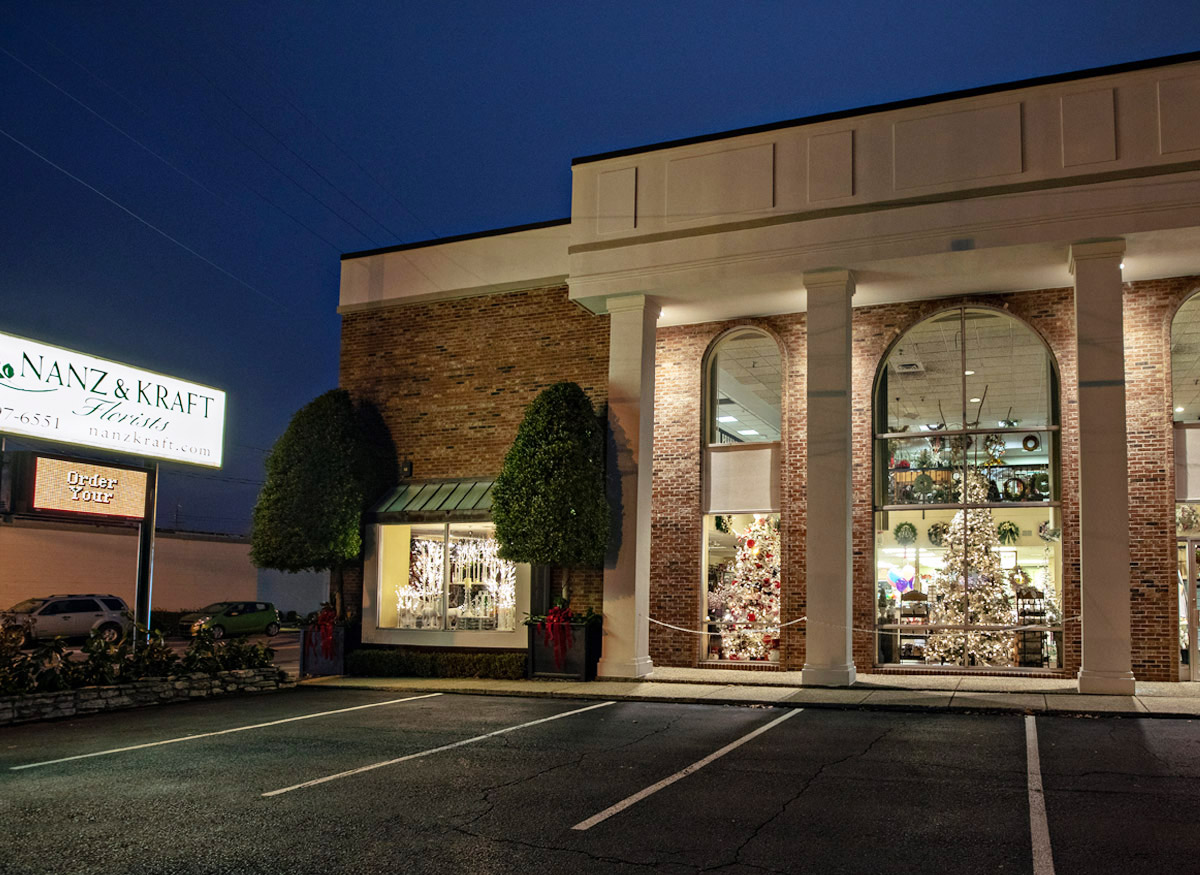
<point x="916" y="628"/>
<point x="719" y="623"/>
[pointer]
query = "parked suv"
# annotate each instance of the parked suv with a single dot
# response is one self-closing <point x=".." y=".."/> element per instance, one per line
<point x="71" y="616"/>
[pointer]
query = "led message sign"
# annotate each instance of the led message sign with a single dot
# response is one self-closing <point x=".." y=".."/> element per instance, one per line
<point x="56" y="394"/>
<point x="77" y="487"/>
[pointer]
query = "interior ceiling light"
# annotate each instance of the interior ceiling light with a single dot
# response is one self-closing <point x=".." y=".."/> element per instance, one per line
<point x="1179" y="410"/>
<point x="969" y="373"/>
<point x="975" y="400"/>
<point x="726" y="419"/>
<point x="747" y="431"/>
<point x="1121" y="265"/>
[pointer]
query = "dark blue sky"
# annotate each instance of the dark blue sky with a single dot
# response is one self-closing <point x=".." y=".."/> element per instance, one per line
<point x="177" y="180"/>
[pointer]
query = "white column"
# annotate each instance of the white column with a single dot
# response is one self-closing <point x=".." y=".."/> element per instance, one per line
<point x="632" y="320"/>
<point x="1103" y="469"/>
<point x="829" y="659"/>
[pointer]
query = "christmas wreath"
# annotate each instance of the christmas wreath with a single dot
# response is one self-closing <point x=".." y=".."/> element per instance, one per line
<point x="937" y="533"/>
<point x="923" y="488"/>
<point x="1014" y="488"/>
<point x="1039" y="484"/>
<point x="1008" y="532"/>
<point x="905" y="534"/>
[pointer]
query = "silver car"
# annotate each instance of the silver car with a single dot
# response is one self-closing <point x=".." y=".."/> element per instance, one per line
<point x="71" y="616"/>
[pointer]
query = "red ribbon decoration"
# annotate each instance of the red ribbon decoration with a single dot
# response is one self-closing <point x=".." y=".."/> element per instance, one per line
<point x="556" y="633"/>
<point x="324" y="632"/>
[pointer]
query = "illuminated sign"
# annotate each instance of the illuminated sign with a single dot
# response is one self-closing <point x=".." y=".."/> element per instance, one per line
<point x="77" y="487"/>
<point x="56" y="394"/>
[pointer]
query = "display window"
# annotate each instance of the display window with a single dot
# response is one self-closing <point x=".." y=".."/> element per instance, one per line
<point x="967" y="550"/>
<point x="742" y="589"/>
<point x="745" y="378"/>
<point x="446" y="577"/>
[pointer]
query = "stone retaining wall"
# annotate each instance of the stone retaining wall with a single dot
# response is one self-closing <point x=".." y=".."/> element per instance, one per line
<point x="148" y="691"/>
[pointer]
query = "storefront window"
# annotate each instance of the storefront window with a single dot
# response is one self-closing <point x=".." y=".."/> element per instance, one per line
<point x="744" y="389"/>
<point x="967" y="521"/>
<point x="446" y="578"/>
<point x="742" y="597"/>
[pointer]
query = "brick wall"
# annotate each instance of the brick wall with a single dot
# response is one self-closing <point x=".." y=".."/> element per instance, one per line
<point x="452" y="379"/>
<point x="676" y="574"/>
<point x="1149" y="308"/>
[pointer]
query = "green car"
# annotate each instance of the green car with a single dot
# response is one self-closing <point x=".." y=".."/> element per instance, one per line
<point x="232" y="618"/>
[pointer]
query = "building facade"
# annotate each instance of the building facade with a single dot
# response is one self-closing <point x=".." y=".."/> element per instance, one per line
<point x="907" y="388"/>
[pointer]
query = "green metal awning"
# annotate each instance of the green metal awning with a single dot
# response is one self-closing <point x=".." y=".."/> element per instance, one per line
<point x="430" y="500"/>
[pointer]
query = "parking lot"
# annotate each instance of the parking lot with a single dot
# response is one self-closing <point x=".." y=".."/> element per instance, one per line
<point x="334" y="779"/>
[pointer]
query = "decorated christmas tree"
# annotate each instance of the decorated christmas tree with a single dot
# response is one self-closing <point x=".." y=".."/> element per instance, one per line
<point x="746" y="606"/>
<point x="972" y="546"/>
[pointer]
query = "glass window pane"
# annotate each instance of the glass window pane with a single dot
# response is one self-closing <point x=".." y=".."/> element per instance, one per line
<point x="1185" y="361"/>
<point x="919" y="470"/>
<point x="922" y="381"/>
<point x="418" y="588"/>
<point x="742" y="599"/>
<point x="745" y="381"/>
<point x="1008" y="373"/>
<point x="481" y="593"/>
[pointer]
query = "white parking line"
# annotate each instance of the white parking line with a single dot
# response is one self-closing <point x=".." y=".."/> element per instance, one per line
<point x="1039" y="829"/>
<point x="431" y="751"/>
<point x="101" y="753"/>
<point x="683" y="773"/>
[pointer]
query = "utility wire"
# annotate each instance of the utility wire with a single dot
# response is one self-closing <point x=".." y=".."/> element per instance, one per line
<point x="335" y="247"/>
<point x="145" y="222"/>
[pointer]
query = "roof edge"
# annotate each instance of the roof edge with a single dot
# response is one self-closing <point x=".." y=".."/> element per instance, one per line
<point x="1051" y="79"/>
<point x="474" y="235"/>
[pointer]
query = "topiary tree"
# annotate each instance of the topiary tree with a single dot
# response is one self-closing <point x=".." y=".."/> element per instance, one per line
<point x="333" y="460"/>
<point x="549" y="504"/>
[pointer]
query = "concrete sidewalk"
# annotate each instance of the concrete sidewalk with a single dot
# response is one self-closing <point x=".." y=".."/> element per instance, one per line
<point x="1019" y="695"/>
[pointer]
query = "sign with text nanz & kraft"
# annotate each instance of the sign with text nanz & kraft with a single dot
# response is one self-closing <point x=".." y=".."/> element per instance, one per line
<point x="56" y="394"/>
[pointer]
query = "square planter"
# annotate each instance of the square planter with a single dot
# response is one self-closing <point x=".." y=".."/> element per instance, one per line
<point x="315" y="659"/>
<point x="580" y="659"/>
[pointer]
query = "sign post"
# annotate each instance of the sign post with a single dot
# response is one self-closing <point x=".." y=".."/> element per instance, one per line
<point x="145" y="566"/>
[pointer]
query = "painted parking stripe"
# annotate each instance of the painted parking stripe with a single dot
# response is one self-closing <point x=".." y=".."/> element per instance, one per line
<point x="102" y="753"/>
<point x="1039" y="829"/>
<point x="431" y="751"/>
<point x="682" y="773"/>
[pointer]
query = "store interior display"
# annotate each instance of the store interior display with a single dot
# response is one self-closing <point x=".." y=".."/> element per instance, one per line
<point x="743" y="599"/>
<point x="476" y="587"/>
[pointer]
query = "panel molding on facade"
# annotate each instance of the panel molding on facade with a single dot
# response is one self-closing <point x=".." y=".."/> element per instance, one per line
<point x="616" y="201"/>
<point x="721" y="183"/>
<point x="1089" y="130"/>
<point x="1178" y="119"/>
<point x="958" y="146"/>
<point x="741" y="478"/>
<point x="830" y="166"/>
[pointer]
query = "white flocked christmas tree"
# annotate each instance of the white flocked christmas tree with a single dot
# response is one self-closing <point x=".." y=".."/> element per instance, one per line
<point x="989" y="596"/>
<point x="746" y="606"/>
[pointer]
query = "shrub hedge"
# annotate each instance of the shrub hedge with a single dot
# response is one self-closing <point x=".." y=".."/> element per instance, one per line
<point x="369" y="662"/>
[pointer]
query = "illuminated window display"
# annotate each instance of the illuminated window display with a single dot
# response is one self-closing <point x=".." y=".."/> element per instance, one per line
<point x="742" y="597"/>
<point x="446" y="578"/>
<point x="967" y="548"/>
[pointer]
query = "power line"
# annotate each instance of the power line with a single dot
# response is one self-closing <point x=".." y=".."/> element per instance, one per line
<point x="145" y="222"/>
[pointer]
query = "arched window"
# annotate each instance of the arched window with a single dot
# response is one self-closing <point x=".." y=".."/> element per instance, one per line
<point x="967" y="545"/>
<point x="744" y="388"/>
<point x="740" y="608"/>
<point x="1185" y="402"/>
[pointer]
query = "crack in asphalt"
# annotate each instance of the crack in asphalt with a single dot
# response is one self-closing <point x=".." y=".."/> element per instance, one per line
<point x="737" y="853"/>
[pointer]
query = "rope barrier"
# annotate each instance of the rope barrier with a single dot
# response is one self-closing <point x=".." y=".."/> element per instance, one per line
<point x="916" y="628"/>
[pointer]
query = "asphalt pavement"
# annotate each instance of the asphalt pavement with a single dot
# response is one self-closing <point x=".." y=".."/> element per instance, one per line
<point x="328" y="779"/>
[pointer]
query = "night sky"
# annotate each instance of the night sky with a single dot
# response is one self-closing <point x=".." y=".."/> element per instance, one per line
<point x="179" y="178"/>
